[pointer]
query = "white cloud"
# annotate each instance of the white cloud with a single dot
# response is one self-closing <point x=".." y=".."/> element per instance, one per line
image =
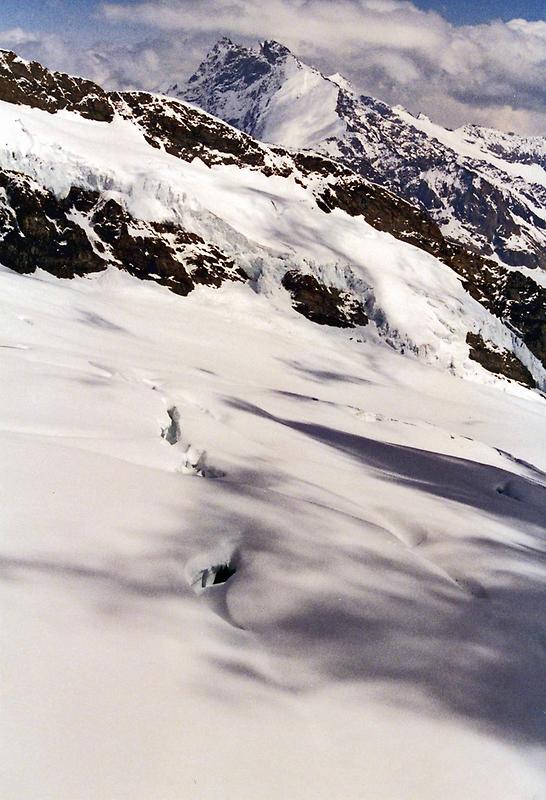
<point x="48" y="48"/>
<point x="494" y="74"/>
<point x="300" y="23"/>
<point x="390" y="47"/>
<point x="15" y="37"/>
<point x="144" y="64"/>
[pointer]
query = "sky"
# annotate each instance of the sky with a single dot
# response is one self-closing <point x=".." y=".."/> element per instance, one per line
<point x="482" y="62"/>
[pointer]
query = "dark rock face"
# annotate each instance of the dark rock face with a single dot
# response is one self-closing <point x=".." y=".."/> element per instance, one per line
<point x="514" y="298"/>
<point x="232" y="71"/>
<point x="430" y="175"/>
<point x="30" y="84"/>
<point x="499" y="362"/>
<point x="509" y="146"/>
<point x="322" y="304"/>
<point x="511" y="296"/>
<point x="36" y="232"/>
<point x="186" y="133"/>
<point x="161" y="251"/>
<point x="40" y="231"/>
<point x="382" y="210"/>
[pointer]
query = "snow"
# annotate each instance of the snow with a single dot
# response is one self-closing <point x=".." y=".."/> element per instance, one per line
<point x="267" y="223"/>
<point x="291" y="104"/>
<point x="459" y="141"/>
<point x="382" y="631"/>
<point x="304" y="94"/>
<point x="539" y="276"/>
<point x="378" y="497"/>
<point x="283" y="91"/>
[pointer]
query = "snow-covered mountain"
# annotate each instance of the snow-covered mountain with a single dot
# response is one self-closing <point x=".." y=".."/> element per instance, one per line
<point x="273" y="481"/>
<point x="484" y="188"/>
<point x="172" y="194"/>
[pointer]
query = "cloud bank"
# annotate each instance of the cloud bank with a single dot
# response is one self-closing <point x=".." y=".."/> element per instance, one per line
<point x="492" y="74"/>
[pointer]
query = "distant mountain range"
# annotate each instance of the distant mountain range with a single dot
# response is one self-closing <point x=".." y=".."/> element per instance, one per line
<point x="484" y="188"/>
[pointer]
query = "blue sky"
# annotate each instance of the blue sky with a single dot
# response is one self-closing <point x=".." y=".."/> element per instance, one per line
<point x="466" y="12"/>
<point x="52" y="15"/>
<point x="467" y="62"/>
<point x="81" y="15"/>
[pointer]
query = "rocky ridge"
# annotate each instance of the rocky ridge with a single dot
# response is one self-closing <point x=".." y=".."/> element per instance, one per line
<point x="85" y="231"/>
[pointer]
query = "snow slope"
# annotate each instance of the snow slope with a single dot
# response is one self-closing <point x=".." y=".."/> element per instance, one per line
<point x="242" y="554"/>
<point x="382" y="635"/>
<point x="267" y="223"/>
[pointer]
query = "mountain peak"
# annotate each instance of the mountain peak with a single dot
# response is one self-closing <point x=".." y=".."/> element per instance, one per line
<point x="224" y="41"/>
<point x="342" y="82"/>
<point x="452" y="175"/>
<point x="267" y="92"/>
<point x="275" y="51"/>
<point x="370" y="527"/>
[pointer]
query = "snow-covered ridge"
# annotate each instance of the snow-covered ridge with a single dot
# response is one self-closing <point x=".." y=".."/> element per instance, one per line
<point x="29" y="83"/>
<point x="207" y="204"/>
<point x="269" y="93"/>
<point x="484" y="188"/>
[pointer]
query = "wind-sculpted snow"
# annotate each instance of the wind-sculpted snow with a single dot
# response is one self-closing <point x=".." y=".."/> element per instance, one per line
<point x="258" y="537"/>
<point x="485" y="189"/>
<point x="357" y="605"/>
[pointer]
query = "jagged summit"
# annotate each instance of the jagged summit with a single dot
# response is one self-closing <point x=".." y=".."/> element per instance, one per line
<point x="274" y="51"/>
<point x="484" y="188"/>
<point x="341" y="81"/>
<point x="267" y="92"/>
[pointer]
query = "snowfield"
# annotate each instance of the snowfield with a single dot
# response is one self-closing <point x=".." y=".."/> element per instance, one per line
<point x="243" y="555"/>
<point x="382" y="634"/>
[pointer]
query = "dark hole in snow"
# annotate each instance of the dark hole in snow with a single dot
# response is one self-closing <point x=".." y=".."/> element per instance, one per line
<point x="220" y="573"/>
<point x="224" y="573"/>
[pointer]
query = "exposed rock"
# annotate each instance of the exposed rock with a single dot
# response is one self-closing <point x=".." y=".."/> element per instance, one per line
<point x="509" y="295"/>
<point x="382" y="210"/>
<point x="322" y="304"/>
<point x="491" y="207"/>
<point x="30" y="84"/>
<point x="499" y="362"/>
<point x="82" y="233"/>
<point x="186" y="133"/>
<point x="454" y="191"/>
<point x="36" y="233"/>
